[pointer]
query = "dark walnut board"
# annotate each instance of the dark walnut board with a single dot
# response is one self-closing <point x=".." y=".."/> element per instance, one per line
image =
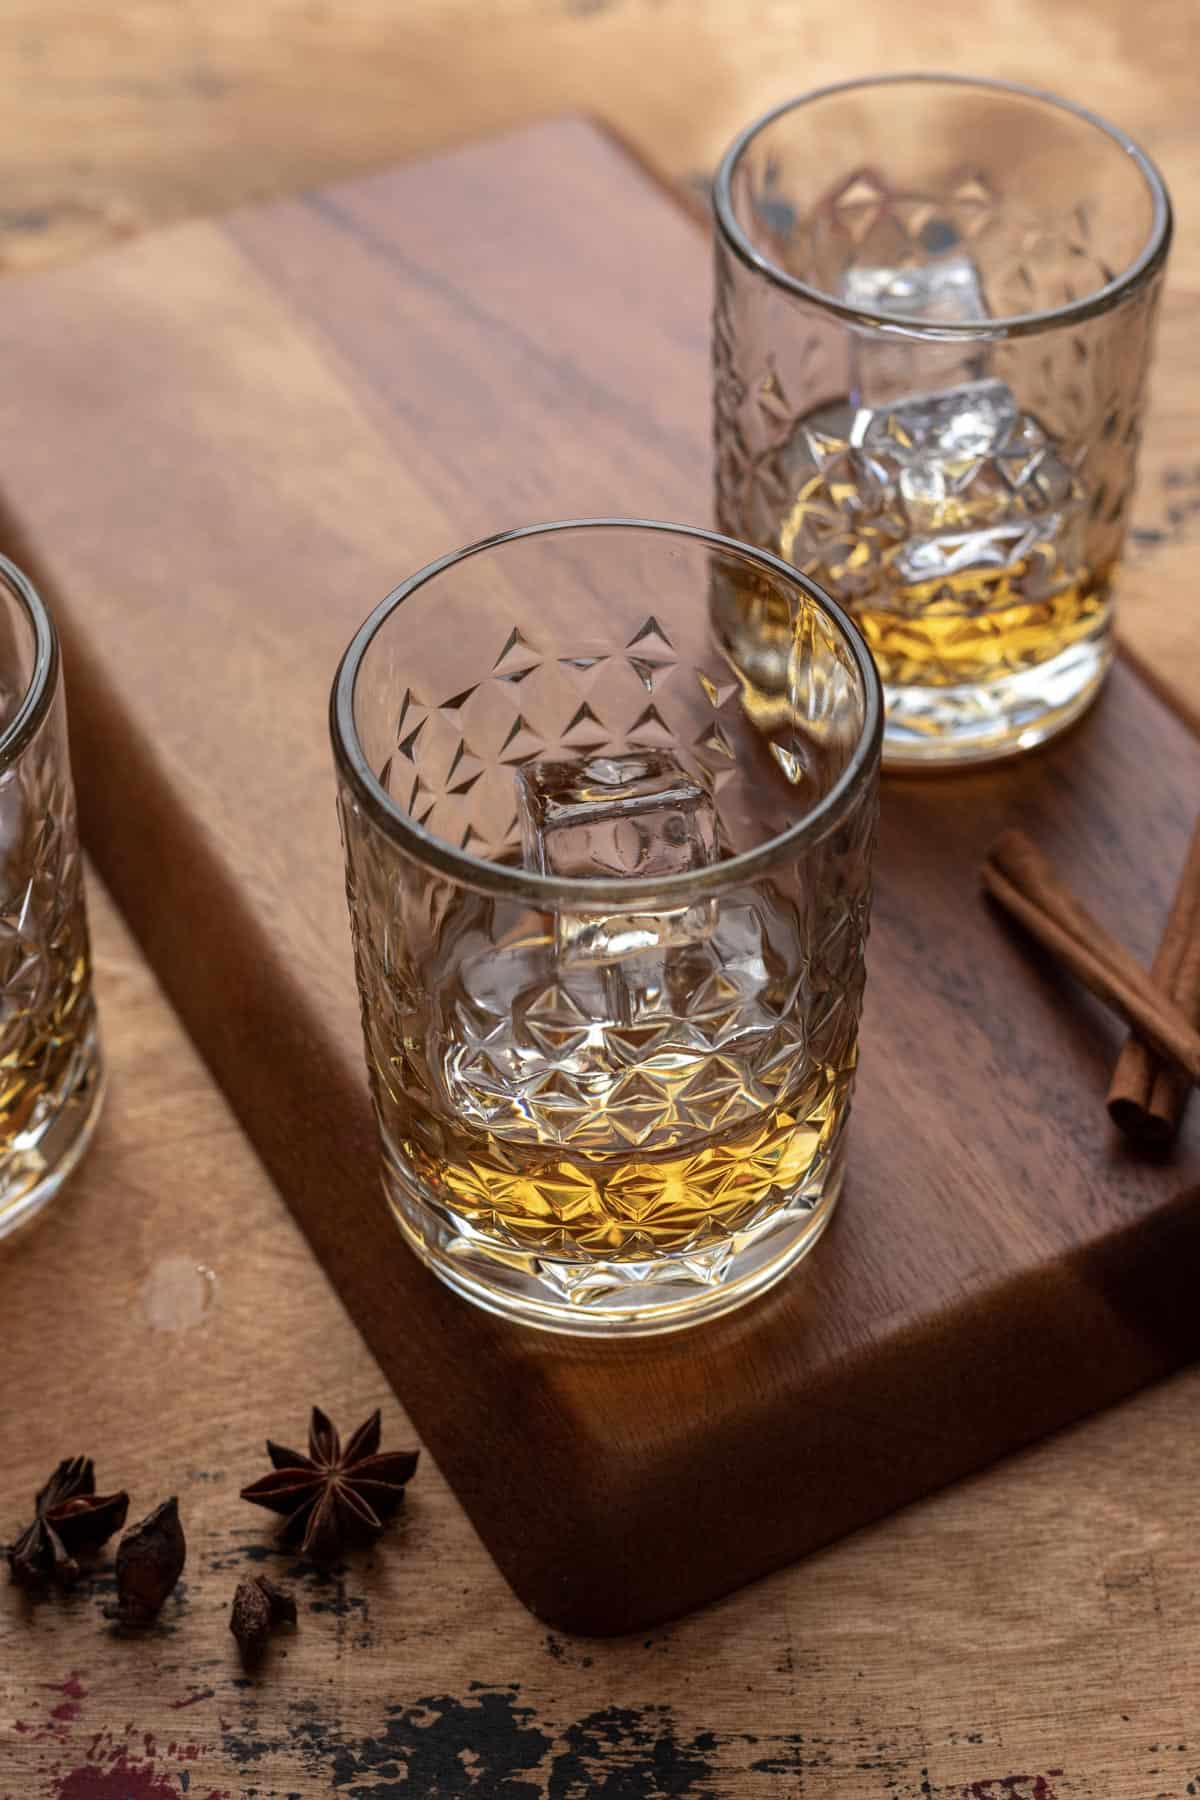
<point x="221" y="446"/>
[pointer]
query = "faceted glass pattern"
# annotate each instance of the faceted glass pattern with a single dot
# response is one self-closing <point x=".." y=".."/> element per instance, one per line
<point x="49" y="1051"/>
<point x="940" y="493"/>
<point x="940" y="423"/>
<point x="627" y="1111"/>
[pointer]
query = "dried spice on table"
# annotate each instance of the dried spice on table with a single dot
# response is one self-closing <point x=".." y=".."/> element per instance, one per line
<point x="150" y="1559"/>
<point x="259" y="1606"/>
<point x="334" y="1497"/>
<point x="70" y="1519"/>
<point x="1147" y="1096"/>
<point x="1024" y="883"/>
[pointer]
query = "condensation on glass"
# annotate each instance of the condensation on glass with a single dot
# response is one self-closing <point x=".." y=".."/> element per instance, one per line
<point x="608" y="914"/>
<point x="934" y="314"/>
<point x="51" y="1076"/>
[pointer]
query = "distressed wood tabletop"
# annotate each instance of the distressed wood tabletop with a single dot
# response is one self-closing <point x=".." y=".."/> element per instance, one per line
<point x="128" y="115"/>
<point x="1033" y="1634"/>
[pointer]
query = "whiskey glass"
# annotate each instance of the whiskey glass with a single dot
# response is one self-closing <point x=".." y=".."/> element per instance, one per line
<point x="608" y="918"/>
<point x="51" y="1073"/>
<point x="935" y="305"/>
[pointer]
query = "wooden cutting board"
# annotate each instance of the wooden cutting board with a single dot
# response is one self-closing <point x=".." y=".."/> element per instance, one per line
<point x="218" y="448"/>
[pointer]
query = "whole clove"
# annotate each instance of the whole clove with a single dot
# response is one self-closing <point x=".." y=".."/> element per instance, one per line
<point x="150" y="1559"/>
<point x="258" y="1607"/>
<point x="282" y="1604"/>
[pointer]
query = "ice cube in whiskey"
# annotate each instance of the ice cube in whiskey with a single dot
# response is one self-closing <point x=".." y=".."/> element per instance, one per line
<point x="636" y="816"/>
<point x="947" y="290"/>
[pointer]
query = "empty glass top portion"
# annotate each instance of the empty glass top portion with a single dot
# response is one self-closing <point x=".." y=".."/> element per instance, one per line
<point x="568" y="711"/>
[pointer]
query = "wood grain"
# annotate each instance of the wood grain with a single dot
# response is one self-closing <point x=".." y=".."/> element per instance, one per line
<point x="1030" y="1635"/>
<point x="133" y="115"/>
<point x="1038" y="1618"/>
<point x="139" y="115"/>
<point x="309" y="402"/>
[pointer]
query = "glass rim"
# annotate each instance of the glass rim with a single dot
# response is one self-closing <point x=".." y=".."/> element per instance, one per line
<point x="1148" y="260"/>
<point x="39" y="691"/>
<point x="528" y="884"/>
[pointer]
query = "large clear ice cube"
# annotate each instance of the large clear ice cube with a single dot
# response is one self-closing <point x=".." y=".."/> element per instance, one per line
<point x="926" y="491"/>
<point x="603" y="817"/>
<point x="636" y="816"/>
<point x="947" y="290"/>
<point x="973" y="420"/>
<point x="652" y="1054"/>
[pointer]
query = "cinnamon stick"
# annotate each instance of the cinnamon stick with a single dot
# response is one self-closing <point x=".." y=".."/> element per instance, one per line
<point x="1022" y="880"/>
<point x="1147" y="1097"/>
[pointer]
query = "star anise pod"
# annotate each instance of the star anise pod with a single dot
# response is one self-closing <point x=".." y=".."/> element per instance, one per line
<point x="70" y="1517"/>
<point x="333" y="1496"/>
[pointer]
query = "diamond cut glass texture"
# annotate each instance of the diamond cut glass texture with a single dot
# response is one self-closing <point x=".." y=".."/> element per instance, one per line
<point x="50" y="1070"/>
<point x="941" y="423"/>
<point x="627" y="1111"/>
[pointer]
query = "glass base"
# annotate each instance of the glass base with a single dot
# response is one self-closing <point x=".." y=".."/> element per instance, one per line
<point x="614" y="1299"/>
<point x="41" y="1157"/>
<point x="939" y="727"/>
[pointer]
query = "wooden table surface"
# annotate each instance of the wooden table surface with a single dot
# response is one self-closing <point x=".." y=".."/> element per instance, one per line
<point x="123" y="116"/>
<point x="1033" y="1634"/>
